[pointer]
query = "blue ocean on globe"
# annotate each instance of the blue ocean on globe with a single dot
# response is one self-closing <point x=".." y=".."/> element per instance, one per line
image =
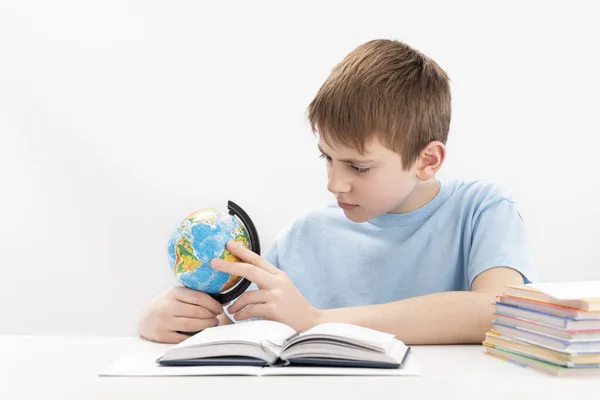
<point x="200" y="237"/>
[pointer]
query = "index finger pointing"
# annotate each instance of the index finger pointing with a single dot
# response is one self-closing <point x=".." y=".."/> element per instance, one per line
<point x="251" y="257"/>
<point x="246" y="270"/>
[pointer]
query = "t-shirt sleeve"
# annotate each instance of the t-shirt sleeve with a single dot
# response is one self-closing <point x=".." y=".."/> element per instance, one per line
<point x="272" y="254"/>
<point x="499" y="240"/>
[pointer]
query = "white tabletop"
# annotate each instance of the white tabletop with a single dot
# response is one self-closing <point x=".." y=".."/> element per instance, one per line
<point x="68" y="367"/>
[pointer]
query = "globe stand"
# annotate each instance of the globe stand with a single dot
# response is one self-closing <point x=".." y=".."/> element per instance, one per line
<point x="241" y="287"/>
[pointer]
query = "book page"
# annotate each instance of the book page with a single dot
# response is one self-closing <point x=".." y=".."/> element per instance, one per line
<point x="569" y="290"/>
<point x="252" y="331"/>
<point x="353" y="333"/>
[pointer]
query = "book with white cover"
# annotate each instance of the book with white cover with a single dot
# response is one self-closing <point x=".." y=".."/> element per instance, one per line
<point x="269" y="343"/>
<point x="263" y="348"/>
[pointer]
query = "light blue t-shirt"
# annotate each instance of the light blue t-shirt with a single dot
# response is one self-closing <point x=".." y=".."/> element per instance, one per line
<point x="468" y="228"/>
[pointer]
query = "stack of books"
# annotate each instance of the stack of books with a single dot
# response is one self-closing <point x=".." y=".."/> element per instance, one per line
<point x="551" y="327"/>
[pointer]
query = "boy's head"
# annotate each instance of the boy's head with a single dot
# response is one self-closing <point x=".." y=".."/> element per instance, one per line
<point x="382" y="118"/>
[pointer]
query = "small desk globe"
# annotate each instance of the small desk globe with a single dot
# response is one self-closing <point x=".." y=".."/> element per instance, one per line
<point x="202" y="236"/>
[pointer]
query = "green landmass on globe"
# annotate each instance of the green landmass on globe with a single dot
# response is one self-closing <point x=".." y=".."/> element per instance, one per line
<point x="200" y="237"/>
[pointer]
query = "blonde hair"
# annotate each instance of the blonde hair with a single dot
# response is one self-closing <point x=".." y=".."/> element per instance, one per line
<point x="384" y="89"/>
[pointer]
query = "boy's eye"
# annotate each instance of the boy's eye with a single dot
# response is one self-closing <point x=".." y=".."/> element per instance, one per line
<point x="325" y="156"/>
<point x="354" y="168"/>
<point x="359" y="170"/>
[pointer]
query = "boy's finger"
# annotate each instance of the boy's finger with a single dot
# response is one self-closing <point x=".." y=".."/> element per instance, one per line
<point x="252" y="311"/>
<point x="184" y="324"/>
<point x="245" y="270"/>
<point x="250" y="297"/>
<point x="190" y="296"/>
<point x="251" y="257"/>
<point x="181" y="309"/>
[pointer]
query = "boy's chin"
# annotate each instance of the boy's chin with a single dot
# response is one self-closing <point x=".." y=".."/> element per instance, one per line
<point x="357" y="216"/>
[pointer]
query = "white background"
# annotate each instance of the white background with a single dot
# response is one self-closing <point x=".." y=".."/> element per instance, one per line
<point x="115" y="116"/>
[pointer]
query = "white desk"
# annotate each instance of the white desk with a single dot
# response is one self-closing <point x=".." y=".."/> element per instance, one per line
<point x="67" y="367"/>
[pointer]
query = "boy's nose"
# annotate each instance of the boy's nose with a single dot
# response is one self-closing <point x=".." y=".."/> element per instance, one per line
<point x="337" y="183"/>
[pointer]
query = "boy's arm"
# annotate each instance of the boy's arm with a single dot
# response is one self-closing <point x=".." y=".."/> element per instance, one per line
<point x="439" y="318"/>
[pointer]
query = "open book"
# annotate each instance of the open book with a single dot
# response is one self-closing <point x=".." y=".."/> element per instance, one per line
<point x="269" y="343"/>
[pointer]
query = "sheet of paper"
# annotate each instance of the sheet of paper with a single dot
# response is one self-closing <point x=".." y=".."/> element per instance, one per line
<point x="144" y="364"/>
<point x="569" y="290"/>
<point x="410" y="369"/>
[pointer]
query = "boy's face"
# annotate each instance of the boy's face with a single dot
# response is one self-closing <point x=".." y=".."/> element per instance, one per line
<point x="368" y="185"/>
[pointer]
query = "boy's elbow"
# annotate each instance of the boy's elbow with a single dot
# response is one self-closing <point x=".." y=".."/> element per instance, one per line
<point x="485" y="315"/>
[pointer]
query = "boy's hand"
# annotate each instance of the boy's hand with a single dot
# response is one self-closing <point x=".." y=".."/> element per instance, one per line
<point x="178" y="309"/>
<point x="277" y="298"/>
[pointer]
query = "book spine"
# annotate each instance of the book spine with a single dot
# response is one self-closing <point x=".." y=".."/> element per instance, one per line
<point x="271" y="348"/>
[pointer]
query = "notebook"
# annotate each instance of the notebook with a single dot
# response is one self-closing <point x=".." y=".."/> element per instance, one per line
<point x="546" y="318"/>
<point x="557" y="310"/>
<point x="583" y="295"/>
<point x="270" y="343"/>
<point x="534" y="363"/>
<point x="549" y="342"/>
<point x="571" y="360"/>
<point x="572" y="335"/>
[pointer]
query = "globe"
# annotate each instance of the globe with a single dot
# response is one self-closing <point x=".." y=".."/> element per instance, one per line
<point x="202" y="236"/>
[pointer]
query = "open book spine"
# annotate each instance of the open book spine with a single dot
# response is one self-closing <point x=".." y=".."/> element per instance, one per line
<point x="275" y="350"/>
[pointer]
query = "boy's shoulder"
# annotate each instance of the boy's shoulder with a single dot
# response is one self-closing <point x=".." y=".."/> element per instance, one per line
<point x="470" y="200"/>
<point x="480" y="191"/>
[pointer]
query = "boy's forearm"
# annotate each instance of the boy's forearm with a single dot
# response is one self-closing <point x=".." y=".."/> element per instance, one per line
<point x="439" y="318"/>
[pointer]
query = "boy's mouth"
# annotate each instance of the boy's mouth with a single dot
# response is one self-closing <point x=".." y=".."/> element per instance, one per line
<point x="346" y="206"/>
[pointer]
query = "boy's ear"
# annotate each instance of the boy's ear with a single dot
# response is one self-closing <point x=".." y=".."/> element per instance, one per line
<point x="430" y="160"/>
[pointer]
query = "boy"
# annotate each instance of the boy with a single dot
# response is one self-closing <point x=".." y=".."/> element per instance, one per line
<point x="400" y="251"/>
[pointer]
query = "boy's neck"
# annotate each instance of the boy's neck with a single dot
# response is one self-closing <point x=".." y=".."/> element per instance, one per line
<point x="422" y="194"/>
